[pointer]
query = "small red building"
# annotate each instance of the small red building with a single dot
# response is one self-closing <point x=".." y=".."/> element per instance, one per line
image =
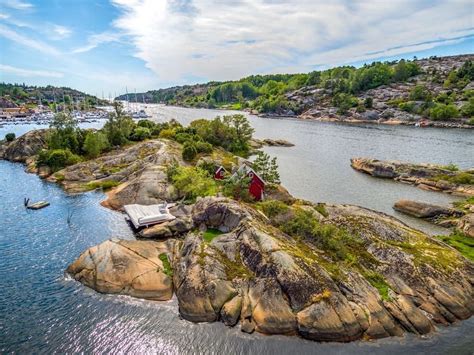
<point x="220" y="173"/>
<point x="256" y="185"/>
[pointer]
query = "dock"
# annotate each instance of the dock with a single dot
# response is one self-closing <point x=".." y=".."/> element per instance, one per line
<point x="144" y="216"/>
<point x="37" y="205"/>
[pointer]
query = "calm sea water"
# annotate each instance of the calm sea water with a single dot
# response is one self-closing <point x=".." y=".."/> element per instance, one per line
<point x="43" y="311"/>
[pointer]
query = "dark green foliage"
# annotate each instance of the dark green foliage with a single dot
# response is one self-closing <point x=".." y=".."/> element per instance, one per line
<point x="94" y="144"/>
<point x="147" y="124"/>
<point x="233" y="133"/>
<point x="64" y="134"/>
<point x="344" y="102"/>
<point x="57" y="159"/>
<point x="267" y="168"/>
<point x="192" y="182"/>
<point x="468" y="108"/>
<point x="442" y="112"/>
<point x="189" y="151"/>
<point x="420" y="93"/>
<point x="119" y="127"/>
<point x="369" y="102"/>
<point x="140" y="134"/>
<point x="10" y="137"/>
<point x="237" y="187"/>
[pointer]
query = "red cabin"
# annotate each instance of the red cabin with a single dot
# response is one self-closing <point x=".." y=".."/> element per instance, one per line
<point x="257" y="185"/>
<point x="220" y="173"/>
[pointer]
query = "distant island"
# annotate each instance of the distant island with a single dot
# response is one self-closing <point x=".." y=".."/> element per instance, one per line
<point x="438" y="91"/>
<point x="28" y="97"/>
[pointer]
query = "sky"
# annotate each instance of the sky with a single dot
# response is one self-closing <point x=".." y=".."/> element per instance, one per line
<point x="106" y="47"/>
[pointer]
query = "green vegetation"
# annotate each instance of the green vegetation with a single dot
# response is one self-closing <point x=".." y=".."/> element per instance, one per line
<point x="378" y="281"/>
<point x="192" y="182"/>
<point x="321" y="208"/>
<point x="461" y="77"/>
<point x="57" y="159"/>
<point x="10" y="137"/>
<point x="105" y="185"/>
<point x="464" y="204"/>
<point x="210" y="234"/>
<point x="266" y="168"/>
<point x="420" y="93"/>
<point x="272" y="208"/>
<point x="237" y="187"/>
<point x="55" y="97"/>
<point x="95" y="143"/>
<point x="460" y="242"/>
<point x="451" y="167"/>
<point x="167" y="269"/>
<point x="461" y="177"/>
<point x="442" y="112"/>
<point x="266" y="93"/>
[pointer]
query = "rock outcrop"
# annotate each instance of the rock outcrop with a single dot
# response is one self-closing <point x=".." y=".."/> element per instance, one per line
<point x="466" y="224"/>
<point x="134" y="268"/>
<point x="24" y="147"/>
<point x="424" y="210"/>
<point x="424" y="176"/>
<point x="271" y="282"/>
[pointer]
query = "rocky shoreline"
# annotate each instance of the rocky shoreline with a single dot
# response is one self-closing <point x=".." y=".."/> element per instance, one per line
<point x="284" y="266"/>
<point x="424" y="176"/>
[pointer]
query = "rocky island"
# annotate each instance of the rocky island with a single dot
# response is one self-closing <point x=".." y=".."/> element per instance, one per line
<point x="278" y="266"/>
<point x="429" y="92"/>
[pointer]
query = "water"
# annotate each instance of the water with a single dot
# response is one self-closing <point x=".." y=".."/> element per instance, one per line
<point x="318" y="167"/>
<point x="43" y="311"/>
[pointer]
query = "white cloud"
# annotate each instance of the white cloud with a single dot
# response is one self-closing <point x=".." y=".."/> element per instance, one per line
<point x="96" y="40"/>
<point x="27" y="42"/>
<point x="17" y="4"/>
<point x="61" y="32"/>
<point x="222" y="40"/>
<point x="29" y="73"/>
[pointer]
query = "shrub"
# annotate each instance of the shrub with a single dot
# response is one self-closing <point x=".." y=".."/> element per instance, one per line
<point x="94" y="144"/>
<point x="442" y="112"/>
<point x="10" y="137"/>
<point x="57" y="159"/>
<point x="468" y="108"/>
<point x="203" y="147"/>
<point x="237" y="187"/>
<point x="408" y="106"/>
<point x="344" y="102"/>
<point x="272" y="208"/>
<point x="105" y="185"/>
<point x="420" y="93"/>
<point x="140" y="134"/>
<point x="369" y="102"/>
<point x="146" y="123"/>
<point x="189" y="151"/>
<point x="192" y="182"/>
<point x="168" y="133"/>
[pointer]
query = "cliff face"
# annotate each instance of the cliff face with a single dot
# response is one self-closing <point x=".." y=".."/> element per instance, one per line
<point x="267" y="281"/>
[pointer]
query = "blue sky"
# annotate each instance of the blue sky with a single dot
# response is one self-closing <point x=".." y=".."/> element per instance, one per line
<point x="105" y="46"/>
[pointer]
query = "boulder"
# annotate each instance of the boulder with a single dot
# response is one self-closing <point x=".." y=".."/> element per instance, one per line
<point x="423" y="210"/>
<point x="125" y="267"/>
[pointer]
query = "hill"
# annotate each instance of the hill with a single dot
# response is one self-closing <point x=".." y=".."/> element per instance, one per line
<point x="437" y="89"/>
<point x="14" y="95"/>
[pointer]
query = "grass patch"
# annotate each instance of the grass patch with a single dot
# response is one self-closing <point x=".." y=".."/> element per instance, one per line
<point x="460" y="178"/>
<point x="272" y="208"/>
<point x="464" y="204"/>
<point x="378" y="281"/>
<point x="210" y="234"/>
<point x="167" y="269"/>
<point x="460" y="242"/>
<point x="105" y="185"/>
<point x="59" y="177"/>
